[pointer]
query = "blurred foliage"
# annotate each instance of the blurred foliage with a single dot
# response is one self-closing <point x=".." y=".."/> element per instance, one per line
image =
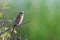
<point x="3" y="7"/>
<point x="6" y="35"/>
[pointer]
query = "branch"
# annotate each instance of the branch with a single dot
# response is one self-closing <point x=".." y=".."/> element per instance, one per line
<point x="10" y="28"/>
<point x="6" y="21"/>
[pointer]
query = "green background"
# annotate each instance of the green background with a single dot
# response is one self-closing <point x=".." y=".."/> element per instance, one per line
<point x="45" y="16"/>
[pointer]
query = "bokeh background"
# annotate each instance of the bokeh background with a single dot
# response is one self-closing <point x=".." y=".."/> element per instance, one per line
<point x="45" y="16"/>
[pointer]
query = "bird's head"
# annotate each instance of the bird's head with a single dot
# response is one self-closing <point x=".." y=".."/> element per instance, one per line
<point x="22" y="12"/>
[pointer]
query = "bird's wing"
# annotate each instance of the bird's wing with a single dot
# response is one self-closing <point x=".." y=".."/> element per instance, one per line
<point x="18" y="18"/>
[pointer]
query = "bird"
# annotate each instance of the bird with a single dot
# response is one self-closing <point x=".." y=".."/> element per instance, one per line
<point x="18" y="20"/>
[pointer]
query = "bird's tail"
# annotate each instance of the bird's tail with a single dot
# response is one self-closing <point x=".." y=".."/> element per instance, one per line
<point x="13" y="28"/>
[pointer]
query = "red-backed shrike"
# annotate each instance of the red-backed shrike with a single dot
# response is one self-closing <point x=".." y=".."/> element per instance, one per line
<point x="18" y="20"/>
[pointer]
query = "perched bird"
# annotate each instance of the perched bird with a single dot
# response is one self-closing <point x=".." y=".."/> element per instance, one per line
<point x="18" y="20"/>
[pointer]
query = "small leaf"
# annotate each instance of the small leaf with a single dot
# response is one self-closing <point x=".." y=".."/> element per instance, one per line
<point x="15" y="31"/>
<point x="8" y="35"/>
<point x="5" y="7"/>
<point x="6" y="3"/>
<point x="1" y="15"/>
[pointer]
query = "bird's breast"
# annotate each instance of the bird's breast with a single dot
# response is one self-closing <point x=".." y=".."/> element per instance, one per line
<point x="20" y="20"/>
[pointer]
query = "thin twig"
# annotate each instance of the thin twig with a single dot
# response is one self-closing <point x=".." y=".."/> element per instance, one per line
<point x="4" y="31"/>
